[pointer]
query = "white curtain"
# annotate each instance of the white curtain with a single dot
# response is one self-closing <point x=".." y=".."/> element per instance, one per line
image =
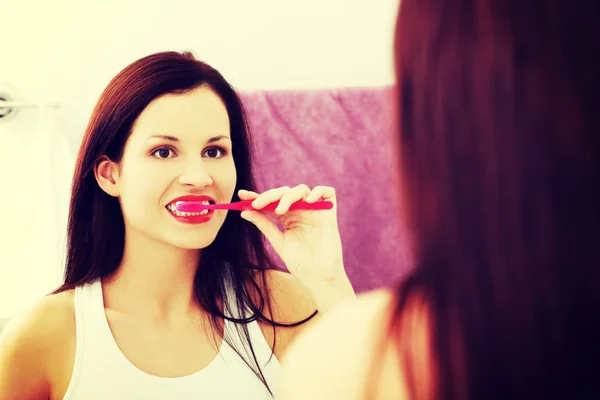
<point x="35" y="175"/>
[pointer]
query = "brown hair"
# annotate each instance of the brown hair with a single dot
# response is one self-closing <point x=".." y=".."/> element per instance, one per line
<point x="498" y="136"/>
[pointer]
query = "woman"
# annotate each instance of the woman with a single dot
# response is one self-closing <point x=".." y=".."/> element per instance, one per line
<point x="159" y="304"/>
<point x="498" y="143"/>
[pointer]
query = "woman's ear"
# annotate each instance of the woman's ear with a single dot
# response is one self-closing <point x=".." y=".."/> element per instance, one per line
<point x="107" y="173"/>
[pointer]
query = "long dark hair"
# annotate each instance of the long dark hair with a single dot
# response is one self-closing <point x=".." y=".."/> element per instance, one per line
<point x="96" y="230"/>
<point x="499" y="145"/>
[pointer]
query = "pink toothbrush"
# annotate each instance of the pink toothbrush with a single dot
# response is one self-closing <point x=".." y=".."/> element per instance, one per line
<point x="196" y="206"/>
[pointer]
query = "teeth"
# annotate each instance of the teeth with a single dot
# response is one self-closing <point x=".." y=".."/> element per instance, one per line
<point x="172" y="207"/>
<point x="188" y="214"/>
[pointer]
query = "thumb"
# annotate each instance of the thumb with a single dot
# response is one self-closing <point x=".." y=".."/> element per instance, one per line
<point x="266" y="226"/>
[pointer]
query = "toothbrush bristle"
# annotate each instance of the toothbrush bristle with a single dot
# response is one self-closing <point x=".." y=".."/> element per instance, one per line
<point x="192" y="207"/>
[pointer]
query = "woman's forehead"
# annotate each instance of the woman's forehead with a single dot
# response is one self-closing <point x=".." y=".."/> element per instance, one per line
<point x="196" y="115"/>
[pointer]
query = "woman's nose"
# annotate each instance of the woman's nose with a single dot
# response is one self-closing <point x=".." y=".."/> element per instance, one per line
<point x="196" y="175"/>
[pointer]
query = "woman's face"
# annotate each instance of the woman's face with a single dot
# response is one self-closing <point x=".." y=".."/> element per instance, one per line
<point x="180" y="145"/>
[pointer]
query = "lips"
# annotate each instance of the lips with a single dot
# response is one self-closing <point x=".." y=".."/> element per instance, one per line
<point x="187" y="217"/>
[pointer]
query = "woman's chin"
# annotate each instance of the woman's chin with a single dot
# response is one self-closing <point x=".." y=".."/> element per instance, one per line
<point x="192" y="242"/>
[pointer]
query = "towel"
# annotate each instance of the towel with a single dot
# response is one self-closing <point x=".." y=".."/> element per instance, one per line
<point x="341" y="138"/>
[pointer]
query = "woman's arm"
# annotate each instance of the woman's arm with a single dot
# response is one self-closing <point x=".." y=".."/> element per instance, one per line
<point x="291" y="303"/>
<point x="340" y="355"/>
<point x="328" y="295"/>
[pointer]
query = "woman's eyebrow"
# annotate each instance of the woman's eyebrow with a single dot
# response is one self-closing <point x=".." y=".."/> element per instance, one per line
<point x="174" y="139"/>
<point x="167" y="137"/>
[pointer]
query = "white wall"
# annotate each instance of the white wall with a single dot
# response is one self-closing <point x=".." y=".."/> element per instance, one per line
<point x="67" y="51"/>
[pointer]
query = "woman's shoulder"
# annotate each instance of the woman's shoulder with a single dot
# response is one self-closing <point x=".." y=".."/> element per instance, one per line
<point x="338" y="356"/>
<point x="35" y="338"/>
<point x="50" y="315"/>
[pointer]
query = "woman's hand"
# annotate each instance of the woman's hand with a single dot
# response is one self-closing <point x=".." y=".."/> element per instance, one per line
<point x="310" y="244"/>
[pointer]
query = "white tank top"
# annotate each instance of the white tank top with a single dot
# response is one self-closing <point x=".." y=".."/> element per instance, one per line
<point x="101" y="371"/>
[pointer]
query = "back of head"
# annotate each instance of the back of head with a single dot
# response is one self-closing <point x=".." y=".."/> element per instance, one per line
<point x="498" y="140"/>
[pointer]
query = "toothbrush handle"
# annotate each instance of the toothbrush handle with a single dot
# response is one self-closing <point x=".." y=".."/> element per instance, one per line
<point x="299" y="205"/>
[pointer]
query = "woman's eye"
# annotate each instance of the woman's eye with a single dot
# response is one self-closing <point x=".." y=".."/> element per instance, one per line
<point x="215" y="152"/>
<point x="163" y="152"/>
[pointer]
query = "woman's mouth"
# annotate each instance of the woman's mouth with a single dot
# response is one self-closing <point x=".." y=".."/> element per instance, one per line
<point x="172" y="208"/>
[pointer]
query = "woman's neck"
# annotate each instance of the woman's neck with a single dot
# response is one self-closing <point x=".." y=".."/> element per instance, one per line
<point x="154" y="280"/>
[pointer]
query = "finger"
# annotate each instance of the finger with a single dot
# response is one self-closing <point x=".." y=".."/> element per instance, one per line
<point x="247" y="194"/>
<point x="267" y="227"/>
<point x="269" y="197"/>
<point x="321" y="192"/>
<point x="290" y="197"/>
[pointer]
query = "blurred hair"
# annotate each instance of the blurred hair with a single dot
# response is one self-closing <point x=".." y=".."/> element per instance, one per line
<point x="498" y="133"/>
